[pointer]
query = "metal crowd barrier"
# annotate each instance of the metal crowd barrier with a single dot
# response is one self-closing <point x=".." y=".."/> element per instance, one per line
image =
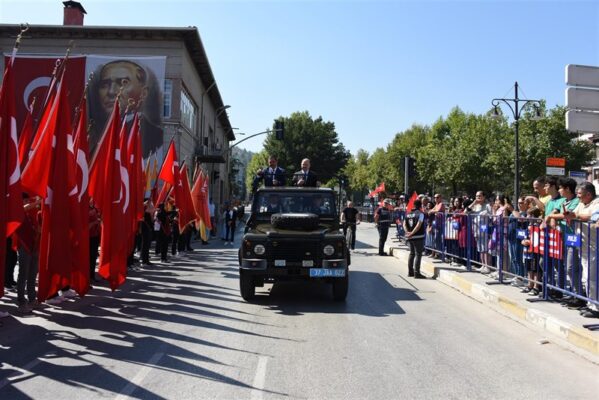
<point x="557" y="260"/>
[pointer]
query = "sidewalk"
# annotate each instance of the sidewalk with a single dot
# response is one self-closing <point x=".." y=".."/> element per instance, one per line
<point x="563" y="326"/>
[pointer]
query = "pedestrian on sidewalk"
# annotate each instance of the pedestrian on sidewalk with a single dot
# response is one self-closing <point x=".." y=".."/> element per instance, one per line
<point x="29" y="233"/>
<point x="415" y="230"/>
<point x="382" y="219"/>
<point x="230" y="222"/>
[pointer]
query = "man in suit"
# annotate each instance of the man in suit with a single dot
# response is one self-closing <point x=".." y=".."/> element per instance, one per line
<point x="317" y="206"/>
<point x="230" y="223"/>
<point x="272" y="175"/>
<point x="273" y="204"/>
<point x="305" y="177"/>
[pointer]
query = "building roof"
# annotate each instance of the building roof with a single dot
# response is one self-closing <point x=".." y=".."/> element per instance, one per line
<point x="189" y="35"/>
<point x="74" y="4"/>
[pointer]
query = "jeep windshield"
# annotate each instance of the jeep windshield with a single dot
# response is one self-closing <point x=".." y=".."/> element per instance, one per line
<point x="321" y="203"/>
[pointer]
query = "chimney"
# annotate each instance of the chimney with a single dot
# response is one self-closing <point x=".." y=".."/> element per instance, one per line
<point x="73" y="13"/>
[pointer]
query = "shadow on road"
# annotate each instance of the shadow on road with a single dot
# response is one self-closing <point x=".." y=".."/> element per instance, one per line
<point x="369" y="294"/>
<point x="133" y="325"/>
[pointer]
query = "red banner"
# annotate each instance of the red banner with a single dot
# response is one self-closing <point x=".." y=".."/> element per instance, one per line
<point x="32" y="76"/>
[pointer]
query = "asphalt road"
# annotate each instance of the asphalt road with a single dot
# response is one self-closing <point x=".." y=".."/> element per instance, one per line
<point x="181" y="331"/>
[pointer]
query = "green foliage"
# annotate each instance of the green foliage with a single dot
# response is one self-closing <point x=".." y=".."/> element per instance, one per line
<point x="258" y="161"/>
<point x="460" y="153"/>
<point x="306" y="137"/>
<point x="463" y="153"/>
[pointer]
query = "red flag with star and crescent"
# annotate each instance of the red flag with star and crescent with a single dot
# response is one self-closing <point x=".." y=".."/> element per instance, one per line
<point x="11" y="202"/>
<point x="108" y="191"/>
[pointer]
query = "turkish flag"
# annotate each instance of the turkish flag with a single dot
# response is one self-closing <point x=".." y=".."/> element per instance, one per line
<point x="200" y="199"/>
<point x="170" y="167"/>
<point x="411" y="201"/>
<point x="136" y="173"/>
<point x="100" y="158"/>
<point x="36" y="173"/>
<point x="109" y="183"/>
<point x="164" y="193"/>
<point x="80" y="274"/>
<point x="56" y="247"/>
<point x="26" y="139"/>
<point x="126" y="187"/>
<point x="11" y="202"/>
<point x="184" y="201"/>
<point x="33" y="76"/>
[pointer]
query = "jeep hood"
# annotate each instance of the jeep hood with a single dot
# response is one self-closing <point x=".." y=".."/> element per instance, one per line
<point x="270" y="231"/>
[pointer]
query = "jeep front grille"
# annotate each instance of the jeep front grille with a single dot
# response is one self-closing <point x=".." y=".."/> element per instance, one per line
<point x="296" y="250"/>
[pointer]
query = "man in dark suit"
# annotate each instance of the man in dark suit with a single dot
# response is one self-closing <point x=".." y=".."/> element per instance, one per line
<point x="273" y="204"/>
<point x="272" y="175"/>
<point x="230" y="223"/>
<point x="305" y="177"/>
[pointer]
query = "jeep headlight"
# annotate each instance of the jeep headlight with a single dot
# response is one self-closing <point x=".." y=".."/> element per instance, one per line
<point x="259" y="249"/>
<point x="328" y="250"/>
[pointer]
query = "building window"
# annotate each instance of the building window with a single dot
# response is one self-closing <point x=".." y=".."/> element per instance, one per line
<point x="168" y="97"/>
<point x="188" y="111"/>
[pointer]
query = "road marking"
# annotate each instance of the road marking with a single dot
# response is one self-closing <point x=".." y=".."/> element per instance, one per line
<point x="137" y="379"/>
<point x="259" y="379"/>
<point x="20" y="372"/>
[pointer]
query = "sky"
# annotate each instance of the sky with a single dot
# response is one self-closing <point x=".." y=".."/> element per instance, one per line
<point x="374" y="68"/>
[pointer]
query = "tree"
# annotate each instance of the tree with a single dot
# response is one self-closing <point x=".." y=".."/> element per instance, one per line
<point x="548" y="137"/>
<point x="356" y="171"/>
<point x="306" y="137"/>
<point x="406" y="144"/>
<point x="258" y="161"/>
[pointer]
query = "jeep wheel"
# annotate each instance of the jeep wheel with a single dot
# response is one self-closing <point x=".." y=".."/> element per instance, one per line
<point x="246" y="285"/>
<point x="340" y="287"/>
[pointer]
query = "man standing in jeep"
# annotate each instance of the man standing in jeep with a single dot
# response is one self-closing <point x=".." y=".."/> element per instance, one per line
<point x="273" y="175"/>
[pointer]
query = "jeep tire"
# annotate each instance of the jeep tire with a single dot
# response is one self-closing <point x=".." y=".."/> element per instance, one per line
<point x="246" y="285"/>
<point x="340" y="287"/>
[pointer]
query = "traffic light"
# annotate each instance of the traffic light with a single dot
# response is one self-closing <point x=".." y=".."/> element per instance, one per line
<point x="279" y="130"/>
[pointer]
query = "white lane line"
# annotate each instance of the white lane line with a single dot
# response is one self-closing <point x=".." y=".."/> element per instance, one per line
<point x="259" y="379"/>
<point x="137" y="379"/>
<point x="20" y="372"/>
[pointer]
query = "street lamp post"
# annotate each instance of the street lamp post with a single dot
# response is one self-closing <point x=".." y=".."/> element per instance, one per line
<point x="516" y="112"/>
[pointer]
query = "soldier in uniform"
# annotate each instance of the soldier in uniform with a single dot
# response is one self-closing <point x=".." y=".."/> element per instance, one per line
<point x="415" y="228"/>
<point x="382" y="219"/>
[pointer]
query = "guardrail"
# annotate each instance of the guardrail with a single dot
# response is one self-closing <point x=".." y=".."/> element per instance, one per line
<point x="553" y="261"/>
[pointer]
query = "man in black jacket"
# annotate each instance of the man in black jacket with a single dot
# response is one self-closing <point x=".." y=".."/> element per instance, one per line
<point x="415" y="228"/>
<point x="382" y="219"/>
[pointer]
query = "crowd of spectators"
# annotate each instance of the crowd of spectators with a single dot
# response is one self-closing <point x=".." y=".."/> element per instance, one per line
<point x="552" y="232"/>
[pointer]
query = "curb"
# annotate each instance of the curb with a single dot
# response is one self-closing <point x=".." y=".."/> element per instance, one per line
<point x="574" y="335"/>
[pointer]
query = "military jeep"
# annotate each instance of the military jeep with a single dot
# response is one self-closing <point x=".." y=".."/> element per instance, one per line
<point x="293" y="234"/>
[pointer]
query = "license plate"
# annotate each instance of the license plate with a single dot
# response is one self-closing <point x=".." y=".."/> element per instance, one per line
<point x="307" y="263"/>
<point x="327" y="273"/>
<point x="280" y="263"/>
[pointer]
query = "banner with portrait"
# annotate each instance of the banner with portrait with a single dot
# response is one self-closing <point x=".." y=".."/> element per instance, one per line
<point x="140" y="80"/>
